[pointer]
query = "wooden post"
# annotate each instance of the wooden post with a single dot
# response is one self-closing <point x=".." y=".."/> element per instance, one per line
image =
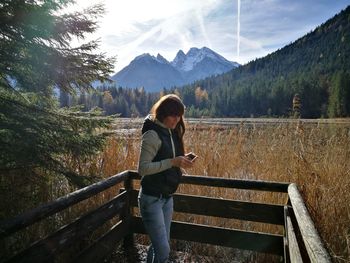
<point x="285" y="238"/>
<point x="293" y="251"/>
<point x="127" y="213"/>
<point x="312" y="241"/>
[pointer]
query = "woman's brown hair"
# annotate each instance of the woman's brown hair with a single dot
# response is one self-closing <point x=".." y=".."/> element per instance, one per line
<point x="171" y="105"/>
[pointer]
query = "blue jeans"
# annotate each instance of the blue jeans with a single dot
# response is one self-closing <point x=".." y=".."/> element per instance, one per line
<point x="156" y="216"/>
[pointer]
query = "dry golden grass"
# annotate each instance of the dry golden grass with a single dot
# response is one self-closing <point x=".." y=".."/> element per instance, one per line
<point x="315" y="157"/>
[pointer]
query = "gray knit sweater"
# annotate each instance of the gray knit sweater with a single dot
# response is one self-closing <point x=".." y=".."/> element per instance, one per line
<point x="150" y="145"/>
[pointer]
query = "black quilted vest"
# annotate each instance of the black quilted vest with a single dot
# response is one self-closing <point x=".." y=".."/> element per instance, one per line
<point x="167" y="181"/>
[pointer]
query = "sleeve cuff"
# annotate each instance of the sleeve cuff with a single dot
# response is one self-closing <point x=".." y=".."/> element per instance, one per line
<point x="166" y="164"/>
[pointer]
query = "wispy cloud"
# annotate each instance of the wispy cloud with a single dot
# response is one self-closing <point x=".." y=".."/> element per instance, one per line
<point x="156" y="26"/>
<point x="238" y="25"/>
<point x="132" y="27"/>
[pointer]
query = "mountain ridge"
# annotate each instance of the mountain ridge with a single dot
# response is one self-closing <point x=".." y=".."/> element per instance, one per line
<point x="154" y="73"/>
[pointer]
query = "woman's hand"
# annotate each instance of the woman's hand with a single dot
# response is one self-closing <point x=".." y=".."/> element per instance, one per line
<point x="181" y="161"/>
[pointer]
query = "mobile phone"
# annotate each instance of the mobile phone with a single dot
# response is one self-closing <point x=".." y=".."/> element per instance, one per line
<point x="191" y="156"/>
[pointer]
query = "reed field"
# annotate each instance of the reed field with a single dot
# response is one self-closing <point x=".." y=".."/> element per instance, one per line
<point x="315" y="156"/>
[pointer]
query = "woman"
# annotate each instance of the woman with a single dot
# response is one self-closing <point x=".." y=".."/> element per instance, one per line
<point x="161" y="157"/>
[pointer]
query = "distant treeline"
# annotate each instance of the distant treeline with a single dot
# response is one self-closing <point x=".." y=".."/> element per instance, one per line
<point x="131" y="102"/>
<point x="112" y="100"/>
<point x="308" y="78"/>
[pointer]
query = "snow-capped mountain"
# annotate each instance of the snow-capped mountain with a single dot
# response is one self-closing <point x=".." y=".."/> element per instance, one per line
<point x="179" y="60"/>
<point x="155" y="73"/>
<point x="195" y="56"/>
<point x="201" y="63"/>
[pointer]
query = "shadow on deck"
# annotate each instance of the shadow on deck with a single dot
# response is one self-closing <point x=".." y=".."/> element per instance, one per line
<point x="299" y="242"/>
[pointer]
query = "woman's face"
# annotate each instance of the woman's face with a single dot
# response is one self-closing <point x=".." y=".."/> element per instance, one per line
<point x="171" y="121"/>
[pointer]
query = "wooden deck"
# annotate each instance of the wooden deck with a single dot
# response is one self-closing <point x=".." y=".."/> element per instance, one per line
<point x="299" y="242"/>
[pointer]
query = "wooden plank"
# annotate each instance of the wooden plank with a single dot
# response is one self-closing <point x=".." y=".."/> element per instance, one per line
<point x="104" y="246"/>
<point x="260" y="242"/>
<point x="312" y="240"/>
<point x="235" y="183"/>
<point x="45" y="249"/>
<point x="230" y="183"/>
<point x="293" y="248"/>
<point x="285" y="238"/>
<point x="13" y="225"/>
<point x="200" y="205"/>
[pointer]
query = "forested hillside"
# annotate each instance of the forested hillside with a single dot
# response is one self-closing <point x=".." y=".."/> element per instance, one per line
<point x="313" y="71"/>
<point x="316" y="67"/>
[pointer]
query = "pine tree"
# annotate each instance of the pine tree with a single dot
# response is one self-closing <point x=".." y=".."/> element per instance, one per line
<point x="296" y="106"/>
<point x="36" y="59"/>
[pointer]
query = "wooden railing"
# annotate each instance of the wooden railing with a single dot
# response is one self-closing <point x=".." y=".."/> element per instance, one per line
<point x="299" y="243"/>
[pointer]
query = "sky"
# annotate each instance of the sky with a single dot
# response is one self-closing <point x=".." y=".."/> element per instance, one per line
<point x="239" y="30"/>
